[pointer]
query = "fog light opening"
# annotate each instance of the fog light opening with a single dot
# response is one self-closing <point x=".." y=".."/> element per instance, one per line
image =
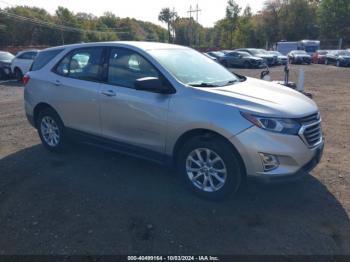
<point x="269" y="162"/>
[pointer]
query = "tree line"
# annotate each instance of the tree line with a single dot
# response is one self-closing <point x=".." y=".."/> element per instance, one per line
<point x="24" y="26"/>
<point x="290" y="20"/>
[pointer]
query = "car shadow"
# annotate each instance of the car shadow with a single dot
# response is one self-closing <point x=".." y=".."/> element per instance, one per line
<point x="92" y="201"/>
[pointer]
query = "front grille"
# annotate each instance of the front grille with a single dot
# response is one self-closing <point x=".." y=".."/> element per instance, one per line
<point x="309" y="119"/>
<point x="311" y="131"/>
<point x="313" y="134"/>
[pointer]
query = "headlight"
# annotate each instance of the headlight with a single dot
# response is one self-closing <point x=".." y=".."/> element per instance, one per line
<point x="279" y="125"/>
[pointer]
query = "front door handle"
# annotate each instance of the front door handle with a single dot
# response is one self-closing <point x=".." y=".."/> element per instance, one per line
<point x="108" y="92"/>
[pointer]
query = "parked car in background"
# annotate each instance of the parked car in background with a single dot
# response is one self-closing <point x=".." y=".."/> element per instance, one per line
<point x="269" y="59"/>
<point x="281" y="59"/>
<point x="22" y="62"/>
<point x="171" y="104"/>
<point x="241" y="59"/>
<point x="226" y="51"/>
<point x="319" y="57"/>
<point x="338" y="58"/>
<point x="216" y="54"/>
<point x="5" y="64"/>
<point x="299" y="57"/>
<point x="210" y="56"/>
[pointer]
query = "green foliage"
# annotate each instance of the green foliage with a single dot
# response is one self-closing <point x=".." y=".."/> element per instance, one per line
<point x="334" y="18"/>
<point x="167" y="16"/>
<point x="290" y="20"/>
<point x="80" y="27"/>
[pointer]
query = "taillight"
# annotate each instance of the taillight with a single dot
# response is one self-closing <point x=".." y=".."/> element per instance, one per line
<point x="26" y="79"/>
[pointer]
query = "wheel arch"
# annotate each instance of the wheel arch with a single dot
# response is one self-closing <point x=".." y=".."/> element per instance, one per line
<point x="40" y="107"/>
<point x="205" y="134"/>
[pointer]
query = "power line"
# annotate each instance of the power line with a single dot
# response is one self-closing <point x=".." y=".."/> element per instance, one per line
<point x="53" y="25"/>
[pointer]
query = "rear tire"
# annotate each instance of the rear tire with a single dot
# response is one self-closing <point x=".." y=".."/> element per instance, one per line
<point x="2" y="75"/>
<point x="326" y="62"/>
<point x="51" y="130"/>
<point x="210" y="167"/>
<point x="18" y="75"/>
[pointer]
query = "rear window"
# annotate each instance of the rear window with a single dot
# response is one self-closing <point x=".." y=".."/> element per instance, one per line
<point x="43" y="58"/>
<point x="28" y="55"/>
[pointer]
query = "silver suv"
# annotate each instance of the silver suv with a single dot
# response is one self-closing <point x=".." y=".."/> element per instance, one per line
<point x="171" y="104"/>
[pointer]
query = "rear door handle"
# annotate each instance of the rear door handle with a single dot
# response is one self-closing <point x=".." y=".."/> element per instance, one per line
<point x="108" y="92"/>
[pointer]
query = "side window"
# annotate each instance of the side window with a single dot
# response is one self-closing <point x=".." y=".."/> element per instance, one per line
<point x="84" y="64"/>
<point x="126" y="66"/>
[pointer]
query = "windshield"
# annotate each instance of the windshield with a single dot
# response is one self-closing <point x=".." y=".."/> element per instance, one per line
<point x="244" y="54"/>
<point x="218" y="53"/>
<point x="192" y="68"/>
<point x="310" y="49"/>
<point x="254" y="51"/>
<point x="6" y="56"/>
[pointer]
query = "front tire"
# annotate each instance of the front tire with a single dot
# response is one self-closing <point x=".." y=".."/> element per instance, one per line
<point x="51" y="130"/>
<point x="225" y="63"/>
<point x="210" y="167"/>
<point x="2" y="75"/>
<point x="246" y="65"/>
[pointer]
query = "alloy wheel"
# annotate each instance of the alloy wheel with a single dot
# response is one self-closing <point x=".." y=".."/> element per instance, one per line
<point x="50" y="131"/>
<point x="206" y="169"/>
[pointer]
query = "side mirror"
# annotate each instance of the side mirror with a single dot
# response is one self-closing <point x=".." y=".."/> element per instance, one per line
<point x="152" y="84"/>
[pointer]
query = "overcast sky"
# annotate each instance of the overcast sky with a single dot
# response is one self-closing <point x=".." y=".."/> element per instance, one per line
<point x="147" y="10"/>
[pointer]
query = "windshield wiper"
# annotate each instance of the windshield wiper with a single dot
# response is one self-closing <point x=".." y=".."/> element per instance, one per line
<point x="231" y="82"/>
<point x="204" y="85"/>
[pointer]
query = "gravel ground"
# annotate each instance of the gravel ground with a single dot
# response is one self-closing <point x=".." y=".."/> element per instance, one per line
<point x="90" y="201"/>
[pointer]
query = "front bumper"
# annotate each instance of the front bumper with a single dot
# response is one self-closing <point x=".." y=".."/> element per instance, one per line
<point x="295" y="158"/>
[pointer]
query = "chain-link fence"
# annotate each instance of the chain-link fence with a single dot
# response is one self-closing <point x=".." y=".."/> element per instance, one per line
<point x="340" y="43"/>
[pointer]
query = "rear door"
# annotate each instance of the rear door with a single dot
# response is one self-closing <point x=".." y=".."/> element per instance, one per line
<point x="76" y="89"/>
<point x="131" y="116"/>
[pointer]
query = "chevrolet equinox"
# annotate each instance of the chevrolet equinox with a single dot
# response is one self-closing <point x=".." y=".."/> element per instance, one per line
<point x="171" y="104"/>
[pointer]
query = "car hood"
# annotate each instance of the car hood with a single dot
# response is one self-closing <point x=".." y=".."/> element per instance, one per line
<point x="306" y="56"/>
<point x="345" y="56"/>
<point x="282" y="57"/>
<point x="263" y="97"/>
<point x="255" y="58"/>
<point x="266" y="56"/>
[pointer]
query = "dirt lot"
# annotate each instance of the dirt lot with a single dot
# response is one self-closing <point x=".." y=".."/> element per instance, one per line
<point x="90" y="201"/>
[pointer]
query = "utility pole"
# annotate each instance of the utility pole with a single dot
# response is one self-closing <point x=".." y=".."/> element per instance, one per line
<point x="173" y="24"/>
<point x="196" y="10"/>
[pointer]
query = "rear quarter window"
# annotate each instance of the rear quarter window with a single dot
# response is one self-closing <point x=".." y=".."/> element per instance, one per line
<point x="43" y="58"/>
